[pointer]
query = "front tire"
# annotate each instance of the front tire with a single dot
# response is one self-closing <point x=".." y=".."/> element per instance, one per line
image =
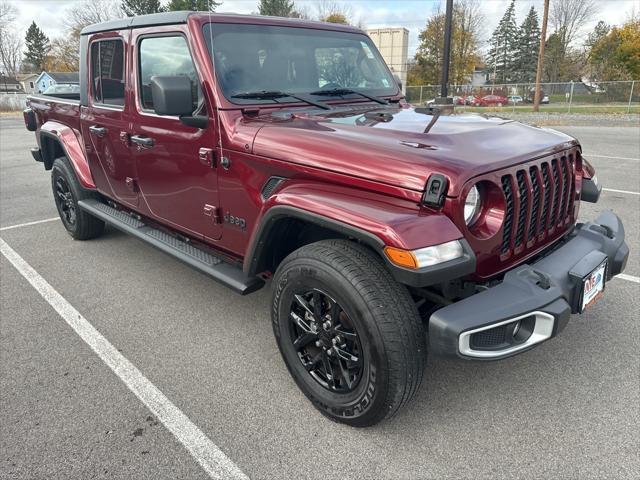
<point x="67" y="191"/>
<point x="350" y="335"/>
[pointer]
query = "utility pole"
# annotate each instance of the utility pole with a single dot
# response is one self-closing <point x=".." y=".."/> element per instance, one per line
<point x="444" y="101"/>
<point x="543" y="38"/>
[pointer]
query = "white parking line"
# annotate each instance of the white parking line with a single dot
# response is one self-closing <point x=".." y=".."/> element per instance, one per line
<point x="628" y="192"/>
<point x="608" y="156"/>
<point x="203" y="450"/>
<point x="11" y="227"/>
<point x="628" y="278"/>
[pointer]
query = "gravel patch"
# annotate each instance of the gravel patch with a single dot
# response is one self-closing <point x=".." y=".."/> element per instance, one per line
<point x="575" y="119"/>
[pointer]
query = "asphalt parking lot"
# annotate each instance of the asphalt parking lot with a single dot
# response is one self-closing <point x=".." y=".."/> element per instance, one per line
<point x="569" y="408"/>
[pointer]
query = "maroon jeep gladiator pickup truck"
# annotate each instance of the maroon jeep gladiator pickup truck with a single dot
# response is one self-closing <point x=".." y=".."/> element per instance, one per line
<point x="258" y="148"/>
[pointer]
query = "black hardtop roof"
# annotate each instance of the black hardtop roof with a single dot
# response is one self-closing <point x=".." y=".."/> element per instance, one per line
<point x="170" y="18"/>
<point x="165" y="18"/>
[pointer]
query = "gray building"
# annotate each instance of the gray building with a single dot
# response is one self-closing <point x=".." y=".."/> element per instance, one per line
<point x="393" y="44"/>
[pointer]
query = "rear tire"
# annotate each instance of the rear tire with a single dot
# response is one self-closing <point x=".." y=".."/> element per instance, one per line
<point x="67" y="191"/>
<point x="376" y="366"/>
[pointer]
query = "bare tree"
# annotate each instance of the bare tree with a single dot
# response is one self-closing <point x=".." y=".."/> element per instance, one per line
<point x="333" y="11"/>
<point x="7" y="14"/>
<point x="567" y="17"/>
<point x="88" y="12"/>
<point x="10" y="52"/>
<point x="471" y="21"/>
<point x="64" y="55"/>
<point x="10" y="41"/>
<point x="79" y="15"/>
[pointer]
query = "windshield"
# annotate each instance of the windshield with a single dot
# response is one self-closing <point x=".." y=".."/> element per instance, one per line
<point x="257" y="58"/>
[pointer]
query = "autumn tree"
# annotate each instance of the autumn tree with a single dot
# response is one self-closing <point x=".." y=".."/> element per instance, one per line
<point x="194" y="5"/>
<point x="37" y="48"/>
<point x="616" y="54"/>
<point x="132" y="8"/>
<point x="427" y="65"/>
<point x="64" y="56"/>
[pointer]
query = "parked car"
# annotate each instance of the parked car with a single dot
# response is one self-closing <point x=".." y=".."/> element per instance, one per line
<point x="544" y="98"/>
<point x="493" y="100"/>
<point x="377" y="249"/>
<point x="515" y="99"/>
<point x="458" y="100"/>
<point x="471" y="100"/>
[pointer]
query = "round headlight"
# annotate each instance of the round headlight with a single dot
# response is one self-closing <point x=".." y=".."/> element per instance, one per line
<point x="471" y="205"/>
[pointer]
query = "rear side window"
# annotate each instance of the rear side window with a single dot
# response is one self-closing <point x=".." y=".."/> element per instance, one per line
<point x="166" y="56"/>
<point x="107" y="72"/>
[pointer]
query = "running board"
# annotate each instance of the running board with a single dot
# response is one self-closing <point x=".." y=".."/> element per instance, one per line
<point x="221" y="271"/>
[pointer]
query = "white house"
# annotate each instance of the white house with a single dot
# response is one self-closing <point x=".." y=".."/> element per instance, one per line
<point x="28" y="81"/>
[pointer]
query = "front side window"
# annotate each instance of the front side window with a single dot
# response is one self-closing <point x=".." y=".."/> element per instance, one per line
<point x="107" y="72"/>
<point x="166" y="56"/>
<point x="255" y="58"/>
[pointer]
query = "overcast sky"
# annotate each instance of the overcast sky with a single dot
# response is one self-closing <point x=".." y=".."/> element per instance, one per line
<point x="412" y="14"/>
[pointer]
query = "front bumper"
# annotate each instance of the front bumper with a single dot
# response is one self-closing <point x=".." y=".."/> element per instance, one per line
<point x="539" y="297"/>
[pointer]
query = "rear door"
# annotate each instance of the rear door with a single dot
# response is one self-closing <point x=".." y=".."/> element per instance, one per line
<point x="105" y="122"/>
<point x="176" y="163"/>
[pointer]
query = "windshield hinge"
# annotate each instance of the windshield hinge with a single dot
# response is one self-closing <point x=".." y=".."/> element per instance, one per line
<point x="253" y="111"/>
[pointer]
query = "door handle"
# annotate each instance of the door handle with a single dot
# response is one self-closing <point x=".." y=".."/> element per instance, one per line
<point x="142" y="142"/>
<point x="98" y="131"/>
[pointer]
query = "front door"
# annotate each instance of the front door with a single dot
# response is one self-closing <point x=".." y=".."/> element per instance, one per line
<point x="176" y="164"/>
<point x="105" y="121"/>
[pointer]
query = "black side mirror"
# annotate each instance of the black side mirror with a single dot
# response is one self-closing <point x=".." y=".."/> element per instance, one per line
<point x="171" y="95"/>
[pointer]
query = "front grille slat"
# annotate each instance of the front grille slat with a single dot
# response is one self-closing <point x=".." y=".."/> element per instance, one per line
<point x="546" y="182"/>
<point x="557" y="192"/>
<point x="535" y="203"/>
<point x="539" y="201"/>
<point x="572" y="189"/>
<point x="567" y="188"/>
<point x="508" y="214"/>
<point x="523" y="193"/>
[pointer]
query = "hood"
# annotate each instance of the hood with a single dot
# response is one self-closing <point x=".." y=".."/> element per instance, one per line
<point x="389" y="145"/>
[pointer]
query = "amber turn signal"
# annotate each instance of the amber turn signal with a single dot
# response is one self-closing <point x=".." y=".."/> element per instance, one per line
<point x="403" y="258"/>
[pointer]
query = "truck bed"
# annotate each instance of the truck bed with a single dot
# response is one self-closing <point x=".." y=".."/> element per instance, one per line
<point x="62" y="110"/>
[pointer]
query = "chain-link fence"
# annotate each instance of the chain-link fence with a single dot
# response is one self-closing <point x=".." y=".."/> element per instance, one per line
<point x="614" y="97"/>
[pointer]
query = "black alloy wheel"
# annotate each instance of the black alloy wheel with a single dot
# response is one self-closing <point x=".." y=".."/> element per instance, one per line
<point x="67" y="192"/>
<point x="65" y="202"/>
<point x="326" y="341"/>
<point x="350" y="335"/>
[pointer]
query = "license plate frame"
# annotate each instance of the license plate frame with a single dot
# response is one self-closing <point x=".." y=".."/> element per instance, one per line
<point x="593" y="286"/>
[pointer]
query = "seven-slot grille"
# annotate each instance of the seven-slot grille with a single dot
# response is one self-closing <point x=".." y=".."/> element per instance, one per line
<point x="537" y="201"/>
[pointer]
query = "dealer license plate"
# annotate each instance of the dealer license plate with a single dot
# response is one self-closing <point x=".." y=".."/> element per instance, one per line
<point x="593" y="286"/>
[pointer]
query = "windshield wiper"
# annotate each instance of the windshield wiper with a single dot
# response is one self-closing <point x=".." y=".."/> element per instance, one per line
<point x="274" y="95"/>
<point x="348" y="91"/>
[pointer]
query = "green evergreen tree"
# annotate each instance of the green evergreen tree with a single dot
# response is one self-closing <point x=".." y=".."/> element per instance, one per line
<point x="38" y="47"/>
<point x="527" y="48"/>
<point x="277" y="8"/>
<point x="132" y="8"/>
<point x="503" y="46"/>
<point x="195" y="5"/>
<point x="600" y="31"/>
